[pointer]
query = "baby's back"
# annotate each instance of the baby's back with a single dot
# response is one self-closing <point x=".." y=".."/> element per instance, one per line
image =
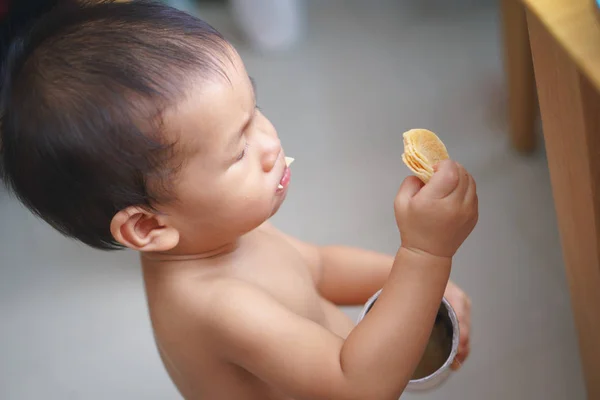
<point x="181" y="296"/>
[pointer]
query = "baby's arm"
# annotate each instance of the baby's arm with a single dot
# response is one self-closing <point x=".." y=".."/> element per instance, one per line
<point x="350" y="276"/>
<point x="305" y="360"/>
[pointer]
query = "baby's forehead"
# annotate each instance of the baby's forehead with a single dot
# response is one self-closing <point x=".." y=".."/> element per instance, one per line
<point x="211" y="111"/>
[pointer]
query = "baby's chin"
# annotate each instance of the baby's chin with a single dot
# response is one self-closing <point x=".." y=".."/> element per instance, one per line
<point x="251" y="224"/>
<point x="247" y="223"/>
<point x="279" y="201"/>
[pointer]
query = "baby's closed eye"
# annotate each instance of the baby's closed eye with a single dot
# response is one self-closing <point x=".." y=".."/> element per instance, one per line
<point x="243" y="153"/>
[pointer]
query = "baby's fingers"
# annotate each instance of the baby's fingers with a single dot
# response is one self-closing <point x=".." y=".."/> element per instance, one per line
<point x="464" y="342"/>
<point x="455" y="364"/>
<point x="463" y="182"/>
<point x="464" y="348"/>
<point x="460" y="358"/>
<point x="409" y="188"/>
<point x="443" y="182"/>
<point x="471" y="194"/>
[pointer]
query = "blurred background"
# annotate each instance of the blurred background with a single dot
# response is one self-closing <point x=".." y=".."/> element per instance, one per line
<point x="341" y="81"/>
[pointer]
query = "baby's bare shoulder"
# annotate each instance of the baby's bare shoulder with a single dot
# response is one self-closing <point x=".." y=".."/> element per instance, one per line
<point x="209" y="297"/>
<point x="223" y="314"/>
<point x="201" y="307"/>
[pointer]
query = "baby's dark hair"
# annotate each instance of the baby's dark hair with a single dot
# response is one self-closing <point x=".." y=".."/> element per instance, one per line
<point x="83" y="95"/>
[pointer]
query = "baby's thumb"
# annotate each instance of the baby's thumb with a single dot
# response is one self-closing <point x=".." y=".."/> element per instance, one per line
<point x="409" y="188"/>
<point x="444" y="180"/>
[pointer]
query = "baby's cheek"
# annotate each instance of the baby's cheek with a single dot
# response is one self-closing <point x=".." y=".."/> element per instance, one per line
<point x="254" y="207"/>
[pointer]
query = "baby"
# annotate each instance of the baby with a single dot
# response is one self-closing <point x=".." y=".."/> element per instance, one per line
<point x="133" y="125"/>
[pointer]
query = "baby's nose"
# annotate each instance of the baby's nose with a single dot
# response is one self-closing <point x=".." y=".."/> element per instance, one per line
<point x="271" y="151"/>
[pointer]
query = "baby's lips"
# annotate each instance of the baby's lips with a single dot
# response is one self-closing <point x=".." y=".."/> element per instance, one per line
<point x="288" y="161"/>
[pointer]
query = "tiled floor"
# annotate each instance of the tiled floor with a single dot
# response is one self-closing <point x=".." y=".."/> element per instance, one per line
<point x="73" y="320"/>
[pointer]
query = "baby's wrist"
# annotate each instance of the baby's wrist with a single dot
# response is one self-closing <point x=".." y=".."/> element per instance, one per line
<point x="425" y="254"/>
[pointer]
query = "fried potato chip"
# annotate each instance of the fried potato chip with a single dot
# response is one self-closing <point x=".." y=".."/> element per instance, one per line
<point x="422" y="150"/>
<point x="415" y="167"/>
<point x="417" y="159"/>
<point x="419" y="172"/>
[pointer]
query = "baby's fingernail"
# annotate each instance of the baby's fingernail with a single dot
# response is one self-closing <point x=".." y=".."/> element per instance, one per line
<point x="455" y="364"/>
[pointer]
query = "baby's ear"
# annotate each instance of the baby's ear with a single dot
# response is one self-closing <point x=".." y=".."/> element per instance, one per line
<point x="143" y="230"/>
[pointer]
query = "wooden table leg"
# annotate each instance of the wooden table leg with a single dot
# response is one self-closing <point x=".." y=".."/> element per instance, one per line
<point x="570" y="111"/>
<point x="522" y="102"/>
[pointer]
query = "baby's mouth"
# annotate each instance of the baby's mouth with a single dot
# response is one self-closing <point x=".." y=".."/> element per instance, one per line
<point x="286" y="175"/>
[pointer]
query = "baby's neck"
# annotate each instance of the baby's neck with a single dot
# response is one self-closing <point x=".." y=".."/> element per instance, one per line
<point x="195" y="253"/>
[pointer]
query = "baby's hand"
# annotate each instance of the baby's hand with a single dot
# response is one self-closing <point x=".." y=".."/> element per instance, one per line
<point x="437" y="217"/>
<point x="461" y="304"/>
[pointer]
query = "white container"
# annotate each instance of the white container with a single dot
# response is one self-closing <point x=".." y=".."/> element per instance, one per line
<point x="447" y="319"/>
<point x="269" y="25"/>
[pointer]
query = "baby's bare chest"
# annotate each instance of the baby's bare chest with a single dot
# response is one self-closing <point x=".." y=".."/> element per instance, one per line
<point x="278" y="269"/>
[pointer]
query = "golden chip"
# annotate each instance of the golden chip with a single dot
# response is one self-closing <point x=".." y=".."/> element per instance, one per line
<point x="422" y="150"/>
<point x="417" y="159"/>
<point x="420" y="173"/>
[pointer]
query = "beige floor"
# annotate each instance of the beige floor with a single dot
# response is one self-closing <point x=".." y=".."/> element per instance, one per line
<point x="73" y="323"/>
